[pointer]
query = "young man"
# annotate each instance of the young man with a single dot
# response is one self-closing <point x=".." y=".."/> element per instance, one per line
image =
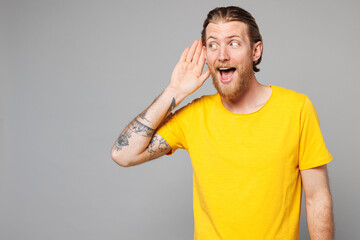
<point x="252" y="146"/>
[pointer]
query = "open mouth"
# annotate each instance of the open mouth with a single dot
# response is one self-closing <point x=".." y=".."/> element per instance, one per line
<point x="226" y="74"/>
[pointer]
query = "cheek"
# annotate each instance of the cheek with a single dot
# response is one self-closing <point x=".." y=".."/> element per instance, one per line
<point x="237" y="55"/>
<point x="240" y="53"/>
<point x="210" y="57"/>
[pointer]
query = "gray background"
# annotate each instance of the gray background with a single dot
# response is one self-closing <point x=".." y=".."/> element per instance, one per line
<point x="74" y="73"/>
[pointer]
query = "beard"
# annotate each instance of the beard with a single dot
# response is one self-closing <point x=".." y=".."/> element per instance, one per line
<point x="233" y="89"/>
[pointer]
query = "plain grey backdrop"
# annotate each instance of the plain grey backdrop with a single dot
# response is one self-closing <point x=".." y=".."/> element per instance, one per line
<point x="75" y="73"/>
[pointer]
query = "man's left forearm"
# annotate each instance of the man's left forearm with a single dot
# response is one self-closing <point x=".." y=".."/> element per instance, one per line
<point x="319" y="211"/>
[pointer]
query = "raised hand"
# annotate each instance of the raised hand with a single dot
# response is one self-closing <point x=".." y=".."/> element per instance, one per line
<point x="187" y="76"/>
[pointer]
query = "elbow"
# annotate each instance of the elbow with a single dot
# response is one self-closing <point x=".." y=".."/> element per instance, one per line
<point x="322" y="199"/>
<point x="119" y="159"/>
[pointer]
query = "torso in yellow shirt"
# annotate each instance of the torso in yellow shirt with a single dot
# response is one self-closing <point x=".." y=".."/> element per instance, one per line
<point x="246" y="179"/>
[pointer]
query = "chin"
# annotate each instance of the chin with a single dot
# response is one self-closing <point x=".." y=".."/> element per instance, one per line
<point x="232" y="90"/>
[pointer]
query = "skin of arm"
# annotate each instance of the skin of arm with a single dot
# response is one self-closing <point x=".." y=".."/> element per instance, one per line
<point x="139" y="142"/>
<point x="318" y="202"/>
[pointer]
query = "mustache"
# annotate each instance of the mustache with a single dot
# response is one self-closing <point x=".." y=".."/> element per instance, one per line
<point x="223" y="65"/>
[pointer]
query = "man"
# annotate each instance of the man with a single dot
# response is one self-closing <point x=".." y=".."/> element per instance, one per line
<point x="252" y="146"/>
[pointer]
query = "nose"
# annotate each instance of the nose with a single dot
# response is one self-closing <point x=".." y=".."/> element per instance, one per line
<point x="223" y="54"/>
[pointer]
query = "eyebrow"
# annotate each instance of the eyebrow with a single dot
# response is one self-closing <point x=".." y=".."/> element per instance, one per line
<point x="231" y="36"/>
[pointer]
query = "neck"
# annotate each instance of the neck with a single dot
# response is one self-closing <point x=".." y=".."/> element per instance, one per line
<point x="250" y="99"/>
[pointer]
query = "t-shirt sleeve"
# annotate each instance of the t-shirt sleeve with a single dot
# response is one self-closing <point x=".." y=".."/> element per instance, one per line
<point x="172" y="131"/>
<point x="313" y="151"/>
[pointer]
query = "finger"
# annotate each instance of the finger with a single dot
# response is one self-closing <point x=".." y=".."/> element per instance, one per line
<point x="202" y="57"/>
<point x="190" y="54"/>
<point x="204" y="76"/>
<point x="197" y="52"/>
<point x="184" y="54"/>
<point x="201" y="62"/>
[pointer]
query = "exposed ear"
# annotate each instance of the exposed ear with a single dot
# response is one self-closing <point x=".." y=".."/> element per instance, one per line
<point x="205" y="52"/>
<point x="257" y="50"/>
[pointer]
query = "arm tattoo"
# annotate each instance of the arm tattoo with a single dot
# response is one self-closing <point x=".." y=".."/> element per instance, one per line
<point x="172" y="106"/>
<point x="135" y="127"/>
<point x="123" y="139"/>
<point x="145" y="131"/>
<point x="141" y="129"/>
<point x="157" y="143"/>
<point x="143" y="114"/>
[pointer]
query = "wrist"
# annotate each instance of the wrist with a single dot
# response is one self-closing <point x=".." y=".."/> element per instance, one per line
<point x="174" y="93"/>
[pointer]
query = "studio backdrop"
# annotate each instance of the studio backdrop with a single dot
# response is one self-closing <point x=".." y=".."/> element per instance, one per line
<point x="75" y="73"/>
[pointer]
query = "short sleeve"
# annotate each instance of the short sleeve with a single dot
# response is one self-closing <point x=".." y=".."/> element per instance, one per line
<point x="312" y="151"/>
<point x="172" y="131"/>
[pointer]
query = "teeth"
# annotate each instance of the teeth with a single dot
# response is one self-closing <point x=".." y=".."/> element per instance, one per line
<point x="224" y="68"/>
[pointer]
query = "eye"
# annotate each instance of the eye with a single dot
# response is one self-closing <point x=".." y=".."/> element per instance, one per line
<point x="212" y="45"/>
<point x="234" y="44"/>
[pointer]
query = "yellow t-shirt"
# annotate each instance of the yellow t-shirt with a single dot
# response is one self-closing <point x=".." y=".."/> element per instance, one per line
<point x="246" y="179"/>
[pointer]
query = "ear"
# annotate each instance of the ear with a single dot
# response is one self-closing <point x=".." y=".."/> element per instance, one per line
<point x="205" y="53"/>
<point x="257" y="50"/>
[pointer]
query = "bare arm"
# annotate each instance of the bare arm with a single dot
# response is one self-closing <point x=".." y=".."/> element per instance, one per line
<point x="318" y="203"/>
<point x="139" y="142"/>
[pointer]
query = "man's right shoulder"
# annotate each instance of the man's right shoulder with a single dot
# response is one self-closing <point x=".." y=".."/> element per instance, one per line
<point x="195" y="107"/>
<point x="205" y="99"/>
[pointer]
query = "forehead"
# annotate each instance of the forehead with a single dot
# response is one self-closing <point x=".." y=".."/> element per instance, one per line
<point x="225" y="29"/>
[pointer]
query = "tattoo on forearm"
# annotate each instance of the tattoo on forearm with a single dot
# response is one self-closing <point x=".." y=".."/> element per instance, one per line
<point x="135" y="127"/>
<point x="157" y="143"/>
<point x="143" y="115"/>
<point x="123" y="139"/>
<point x="142" y="129"/>
<point x="172" y="106"/>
